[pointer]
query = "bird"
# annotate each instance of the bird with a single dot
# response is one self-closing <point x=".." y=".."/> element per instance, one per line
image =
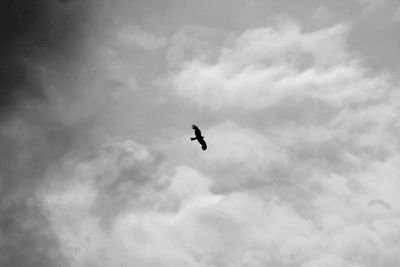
<point x="198" y="137"/>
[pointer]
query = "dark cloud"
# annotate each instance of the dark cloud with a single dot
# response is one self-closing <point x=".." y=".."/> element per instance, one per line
<point x="34" y="35"/>
<point x="34" y="32"/>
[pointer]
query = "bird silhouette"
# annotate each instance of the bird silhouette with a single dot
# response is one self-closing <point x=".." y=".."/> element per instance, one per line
<point x="198" y="137"/>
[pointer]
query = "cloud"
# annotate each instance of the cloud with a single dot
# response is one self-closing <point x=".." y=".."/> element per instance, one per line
<point x="193" y="41"/>
<point x="369" y="6"/>
<point x="330" y="162"/>
<point x="301" y="134"/>
<point x="185" y="224"/>
<point x="134" y="35"/>
<point x="236" y="158"/>
<point x="243" y="156"/>
<point x="121" y="205"/>
<point x="396" y="16"/>
<point x="35" y="36"/>
<point x="154" y="236"/>
<point x="268" y="65"/>
<point x="321" y="14"/>
<point x="117" y="70"/>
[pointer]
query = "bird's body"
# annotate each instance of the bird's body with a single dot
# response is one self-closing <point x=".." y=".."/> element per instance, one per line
<point x="198" y="137"/>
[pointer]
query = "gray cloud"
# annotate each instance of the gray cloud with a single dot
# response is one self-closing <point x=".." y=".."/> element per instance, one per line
<point x="34" y="36"/>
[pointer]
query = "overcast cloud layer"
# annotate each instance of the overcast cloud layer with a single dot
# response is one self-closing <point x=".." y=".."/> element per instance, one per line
<point x="299" y="106"/>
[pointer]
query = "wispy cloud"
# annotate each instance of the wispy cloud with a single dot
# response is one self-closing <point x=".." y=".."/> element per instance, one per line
<point x="369" y="6"/>
<point x="321" y="14"/>
<point x="396" y="15"/>
<point x="134" y="35"/>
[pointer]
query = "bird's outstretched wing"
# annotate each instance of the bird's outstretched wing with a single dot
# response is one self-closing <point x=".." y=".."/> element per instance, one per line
<point x="197" y="131"/>
<point x="202" y="143"/>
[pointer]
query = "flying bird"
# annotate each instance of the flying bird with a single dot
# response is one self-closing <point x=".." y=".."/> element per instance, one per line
<point x="199" y="137"/>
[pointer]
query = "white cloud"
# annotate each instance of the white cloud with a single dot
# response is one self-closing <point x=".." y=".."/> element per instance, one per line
<point x="172" y="217"/>
<point x="236" y="156"/>
<point x="268" y="65"/>
<point x="242" y="155"/>
<point x="240" y="146"/>
<point x="188" y="183"/>
<point x="224" y="224"/>
<point x="330" y="165"/>
<point x="289" y="189"/>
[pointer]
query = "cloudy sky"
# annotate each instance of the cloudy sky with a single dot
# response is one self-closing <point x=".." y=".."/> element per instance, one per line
<point x="298" y="101"/>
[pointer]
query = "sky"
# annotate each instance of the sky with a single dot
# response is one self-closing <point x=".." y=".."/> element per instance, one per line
<point x="298" y="102"/>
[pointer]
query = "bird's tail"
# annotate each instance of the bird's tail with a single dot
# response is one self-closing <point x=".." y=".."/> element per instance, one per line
<point x="193" y="138"/>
